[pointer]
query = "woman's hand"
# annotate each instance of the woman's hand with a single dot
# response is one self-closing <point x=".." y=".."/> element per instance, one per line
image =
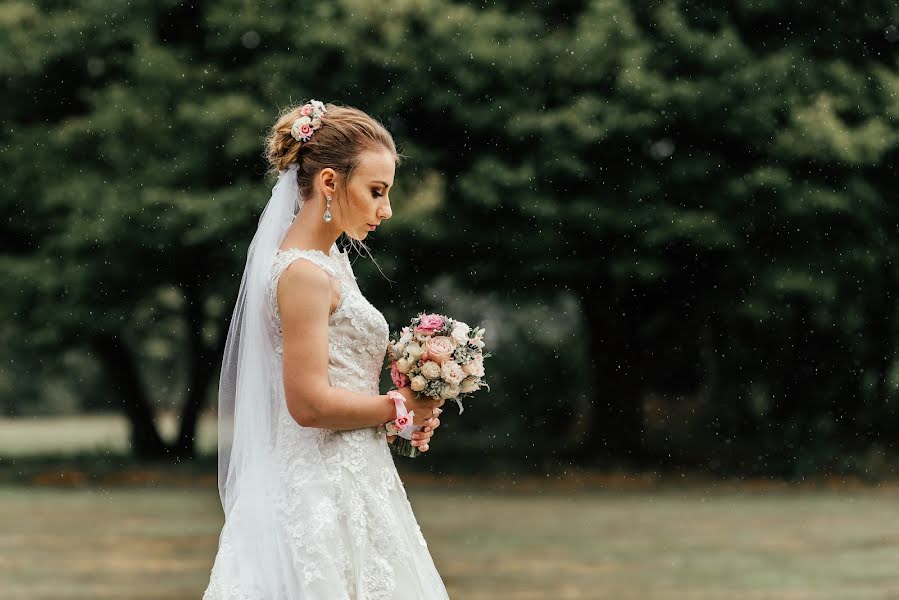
<point x="422" y="406"/>
<point x="421" y="439"/>
<point x="426" y="410"/>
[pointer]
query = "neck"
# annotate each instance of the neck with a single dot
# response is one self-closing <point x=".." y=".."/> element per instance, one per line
<point x="309" y="229"/>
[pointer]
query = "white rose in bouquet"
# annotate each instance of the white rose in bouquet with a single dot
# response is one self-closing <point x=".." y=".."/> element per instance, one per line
<point x="430" y="369"/>
<point x="404" y="365"/>
<point x="475" y="366"/>
<point x="460" y="332"/>
<point x="414" y="350"/>
<point x="469" y="384"/>
<point x="452" y="372"/>
<point x="449" y="391"/>
<point x="418" y="383"/>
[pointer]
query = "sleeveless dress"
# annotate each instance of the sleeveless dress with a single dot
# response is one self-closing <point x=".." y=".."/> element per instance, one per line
<point x="341" y="502"/>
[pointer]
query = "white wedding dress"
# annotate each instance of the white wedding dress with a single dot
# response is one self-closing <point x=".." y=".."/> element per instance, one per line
<point x="339" y="499"/>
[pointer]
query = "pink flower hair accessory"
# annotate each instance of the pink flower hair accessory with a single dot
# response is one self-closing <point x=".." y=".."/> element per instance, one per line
<point x="309" y="121"/>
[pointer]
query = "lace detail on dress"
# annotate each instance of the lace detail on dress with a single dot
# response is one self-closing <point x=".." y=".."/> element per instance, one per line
<point x="340" y="503"/>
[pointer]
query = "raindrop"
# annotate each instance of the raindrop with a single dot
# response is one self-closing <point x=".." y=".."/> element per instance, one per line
<point x="96" y="66"/>
<point x="662" y="148"/>
<point x="250" y="40"/>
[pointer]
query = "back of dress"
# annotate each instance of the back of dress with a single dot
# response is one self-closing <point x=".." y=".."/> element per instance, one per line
<point x="341" y="506"/>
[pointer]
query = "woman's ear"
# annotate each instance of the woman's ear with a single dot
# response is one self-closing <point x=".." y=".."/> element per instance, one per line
<point x="327" y="180"/>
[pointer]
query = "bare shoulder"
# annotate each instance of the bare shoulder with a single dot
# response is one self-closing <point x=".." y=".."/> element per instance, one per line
<point x="304" y="290"/>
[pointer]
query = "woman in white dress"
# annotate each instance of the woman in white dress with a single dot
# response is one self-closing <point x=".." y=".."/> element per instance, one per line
<point x="314" y="507"/>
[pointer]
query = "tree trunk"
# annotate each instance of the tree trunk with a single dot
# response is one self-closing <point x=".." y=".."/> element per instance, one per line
<point x="615" y="418"/>
<point x="202" y="365"/>
<point x="884" y="351"/>
<point x="125" y="378"/>
<point x="886" y="328"/>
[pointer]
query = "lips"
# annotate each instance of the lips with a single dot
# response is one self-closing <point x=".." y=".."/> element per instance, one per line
<point x="372" y="227"/>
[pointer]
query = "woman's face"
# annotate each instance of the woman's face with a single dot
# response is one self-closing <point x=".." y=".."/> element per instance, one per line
<point x="367" y="194"/>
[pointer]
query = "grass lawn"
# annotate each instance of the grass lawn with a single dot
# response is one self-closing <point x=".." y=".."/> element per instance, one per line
<point x="61" y="435"/>
<point x="125" y="531"/>
<point x="159" y="542"/>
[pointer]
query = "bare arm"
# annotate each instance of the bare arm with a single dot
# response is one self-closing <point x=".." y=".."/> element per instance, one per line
<point x="304" y="302"/>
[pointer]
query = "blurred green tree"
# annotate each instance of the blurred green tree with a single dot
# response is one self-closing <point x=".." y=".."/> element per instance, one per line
<point x="712" y="184"/>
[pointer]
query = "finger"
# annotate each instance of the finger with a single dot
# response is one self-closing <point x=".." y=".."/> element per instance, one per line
<point x="434" y="423"/>
<point x="423" y="448"/>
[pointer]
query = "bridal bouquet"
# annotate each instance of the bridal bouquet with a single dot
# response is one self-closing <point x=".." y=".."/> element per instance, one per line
<point x="439" y="357"/>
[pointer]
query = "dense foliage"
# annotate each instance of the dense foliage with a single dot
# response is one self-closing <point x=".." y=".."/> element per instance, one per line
<point x="679" y="218"/>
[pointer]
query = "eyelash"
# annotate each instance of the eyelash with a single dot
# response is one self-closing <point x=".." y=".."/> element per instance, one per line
<point x="376" y="193"/>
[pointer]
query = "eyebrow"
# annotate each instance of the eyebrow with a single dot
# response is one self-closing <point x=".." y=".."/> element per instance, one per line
<point x="384" y="183"/>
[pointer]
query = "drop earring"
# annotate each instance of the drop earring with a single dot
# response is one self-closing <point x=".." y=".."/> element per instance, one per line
<point x="328" y="210"/>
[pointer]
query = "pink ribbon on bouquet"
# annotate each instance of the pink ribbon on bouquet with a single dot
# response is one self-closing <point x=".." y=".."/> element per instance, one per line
<point x="402" y="425"/>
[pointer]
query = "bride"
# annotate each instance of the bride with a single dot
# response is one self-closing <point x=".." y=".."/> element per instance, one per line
<point x="314" y="507"/>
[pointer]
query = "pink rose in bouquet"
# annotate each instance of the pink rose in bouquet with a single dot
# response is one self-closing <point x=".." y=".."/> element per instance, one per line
<point x="440" y="348"/>
<point x="429" y="324"/>
<point x="399" y="379"/>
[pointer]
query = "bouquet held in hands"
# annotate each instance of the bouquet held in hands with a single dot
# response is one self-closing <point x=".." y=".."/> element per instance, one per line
<point x="439" y="357"/>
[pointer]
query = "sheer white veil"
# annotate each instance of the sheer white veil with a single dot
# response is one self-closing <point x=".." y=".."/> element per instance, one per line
<point x="247" y="411"/>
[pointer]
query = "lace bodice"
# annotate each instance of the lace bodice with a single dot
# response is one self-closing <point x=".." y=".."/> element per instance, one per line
<point x="357" y="331"/>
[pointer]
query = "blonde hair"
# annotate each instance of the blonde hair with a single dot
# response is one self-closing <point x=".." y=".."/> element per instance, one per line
<point x="344" y="134"/>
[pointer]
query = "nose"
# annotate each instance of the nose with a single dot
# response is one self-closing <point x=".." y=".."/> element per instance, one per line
<point x="386" y="212"/>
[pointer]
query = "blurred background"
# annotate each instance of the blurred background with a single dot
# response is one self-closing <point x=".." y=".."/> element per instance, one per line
<point x="676" y="220"/>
